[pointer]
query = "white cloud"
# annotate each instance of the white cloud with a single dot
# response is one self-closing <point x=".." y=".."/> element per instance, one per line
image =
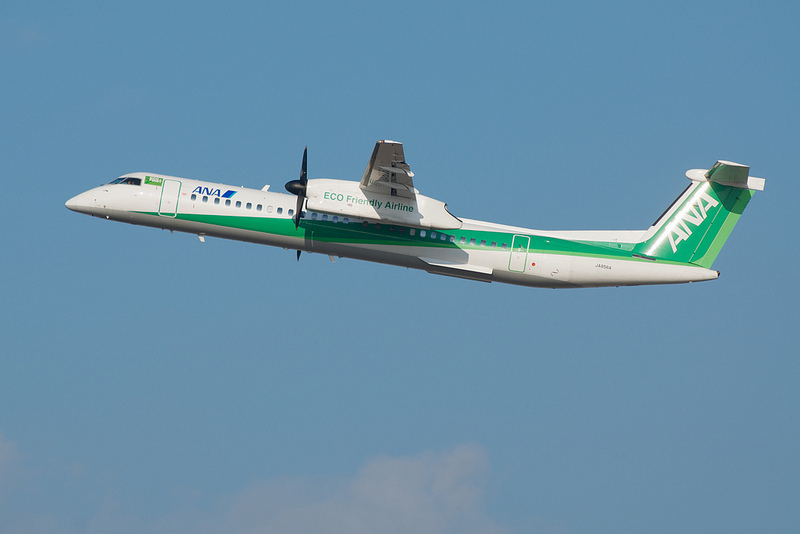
<point x="426" y="493"/>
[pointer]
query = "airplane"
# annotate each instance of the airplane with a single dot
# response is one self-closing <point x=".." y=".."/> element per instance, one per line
<point x="383" y="218"/>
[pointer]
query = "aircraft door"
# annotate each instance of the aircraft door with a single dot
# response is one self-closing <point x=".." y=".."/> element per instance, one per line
<point x="519" y="253"/>
<point x="170" y="193"/>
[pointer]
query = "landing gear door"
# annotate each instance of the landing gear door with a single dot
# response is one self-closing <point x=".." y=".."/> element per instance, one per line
<point x="519" y="253"/>
<point x="170" y="192"/>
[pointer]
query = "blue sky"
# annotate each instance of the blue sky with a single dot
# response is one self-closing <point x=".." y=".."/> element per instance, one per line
<point x="153" y="383"/>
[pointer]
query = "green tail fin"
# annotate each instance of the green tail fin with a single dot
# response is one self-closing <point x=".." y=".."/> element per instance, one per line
<point x="694" y="229"/>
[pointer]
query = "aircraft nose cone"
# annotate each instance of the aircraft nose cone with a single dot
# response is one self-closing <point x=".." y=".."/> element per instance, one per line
<point x="72" y="203"/>
<point x="83" y="203"/>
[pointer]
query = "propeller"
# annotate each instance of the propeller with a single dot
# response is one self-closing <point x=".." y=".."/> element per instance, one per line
<point x="298" y="187"/>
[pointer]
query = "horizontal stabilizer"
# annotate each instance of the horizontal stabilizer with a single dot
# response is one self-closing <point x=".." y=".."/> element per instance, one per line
<point x="727" y="173"/>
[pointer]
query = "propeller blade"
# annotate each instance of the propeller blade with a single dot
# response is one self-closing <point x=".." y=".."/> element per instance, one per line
<point x="302" y="196"/>
<point x="298" y="187"/>
<point x="298" y="254"/>
<point x="298" y="208"/>
<point x="304" y="168"/>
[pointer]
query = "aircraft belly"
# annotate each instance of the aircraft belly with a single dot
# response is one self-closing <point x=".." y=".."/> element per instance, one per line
<point x="401" y="256"/>
<point x="540" y="269"/>
<point x="208" y="229"/>
<point x="567" y="270"/>
<point x="590" y="271"/>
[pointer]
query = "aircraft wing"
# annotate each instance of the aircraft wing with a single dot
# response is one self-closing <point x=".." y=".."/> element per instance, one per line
<point x="388" y="173"/>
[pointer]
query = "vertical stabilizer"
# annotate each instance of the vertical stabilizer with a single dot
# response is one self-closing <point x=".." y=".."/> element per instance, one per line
<point x="694" y="229"/>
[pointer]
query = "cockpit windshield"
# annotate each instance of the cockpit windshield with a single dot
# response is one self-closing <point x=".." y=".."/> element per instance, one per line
<point x="127" y="180"/>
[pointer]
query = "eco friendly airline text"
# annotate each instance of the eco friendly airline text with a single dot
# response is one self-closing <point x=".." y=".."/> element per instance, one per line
<point x="385" y="219"/>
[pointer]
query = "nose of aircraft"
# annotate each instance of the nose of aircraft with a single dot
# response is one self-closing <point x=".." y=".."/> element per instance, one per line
<point x="82" y="203"/>
<point x="72" y="203"/>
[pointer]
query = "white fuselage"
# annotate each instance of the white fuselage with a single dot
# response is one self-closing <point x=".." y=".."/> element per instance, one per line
<point x="477" y="250"/>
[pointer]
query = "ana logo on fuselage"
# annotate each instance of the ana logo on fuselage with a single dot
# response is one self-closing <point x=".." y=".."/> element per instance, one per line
<point x="211" y="192"/>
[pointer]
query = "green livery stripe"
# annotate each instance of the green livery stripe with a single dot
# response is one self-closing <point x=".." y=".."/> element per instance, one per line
<point x="704" y="248"/>
<point x="707" y="252"/>
<point x="355" y="233"/>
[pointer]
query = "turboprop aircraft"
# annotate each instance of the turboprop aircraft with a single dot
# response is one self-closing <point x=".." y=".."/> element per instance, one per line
<point x="385" y="219"/>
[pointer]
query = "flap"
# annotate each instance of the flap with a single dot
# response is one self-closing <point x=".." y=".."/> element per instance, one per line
<point x="388" y="172"/>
